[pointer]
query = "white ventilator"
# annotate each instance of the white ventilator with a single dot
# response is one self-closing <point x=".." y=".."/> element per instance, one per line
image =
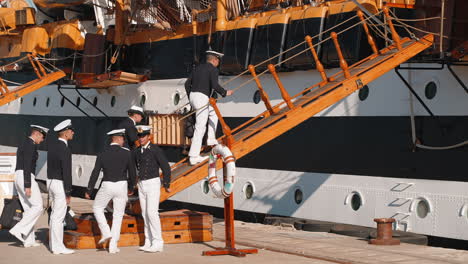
<point x="221" y="151"/>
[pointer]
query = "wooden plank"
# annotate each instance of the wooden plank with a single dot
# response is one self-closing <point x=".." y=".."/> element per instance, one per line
<point x="78" y="240"/>
<point x="170" y="221"/>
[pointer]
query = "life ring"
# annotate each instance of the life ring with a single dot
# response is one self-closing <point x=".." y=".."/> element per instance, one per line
<point x="221" y="151"/>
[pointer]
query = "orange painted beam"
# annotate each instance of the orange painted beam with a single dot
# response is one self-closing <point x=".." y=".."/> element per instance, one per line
<point x="30" y="87"/>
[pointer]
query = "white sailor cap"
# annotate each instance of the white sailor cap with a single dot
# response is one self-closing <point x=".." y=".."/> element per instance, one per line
<point x="143" y="130"/>
<point x="41" y="129"/>
<point x="137" y="110"/>
<point x="214" y="53"/>
<point x="64" y="125"/>
<point x="117" y="132"/>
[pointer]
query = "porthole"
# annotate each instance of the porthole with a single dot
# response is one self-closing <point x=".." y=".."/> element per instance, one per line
<point x="422" y="209"/>
<point x="113" y="101"/>
<point x="248" y="190"/>
<point x="78" y="101"/>
<point x="430" y="90"/>
<point x="298" y="196"/>
<point x="47" y="102"/>
<point x="363" y="93"/>
<point x="356" y="201"/>
<point x="21" y="100"/>
<point x="95" y="101"/>
<point x="257" y="97"/>
<point x="176" y="98"/>
<point x="205" y="187"/>
<point x="34" y="101"/>
<point x="142" y="100"/>
<point x="62" y="102"/>
<point x="79" y="171"/>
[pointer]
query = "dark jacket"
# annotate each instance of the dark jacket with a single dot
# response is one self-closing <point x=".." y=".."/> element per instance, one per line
<point x="204" y="79"/>
<point x="116" y="163"/>
<point x="149" y="162"/>
<point x="59" y="164"/>
<point x="130" y="132"/>
<point x="26" y="159"/>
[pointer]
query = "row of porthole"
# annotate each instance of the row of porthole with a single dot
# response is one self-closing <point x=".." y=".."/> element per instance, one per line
<point x="176" y="100"/>
<point x="355" y="200"/>
<point x="430" y="92"/>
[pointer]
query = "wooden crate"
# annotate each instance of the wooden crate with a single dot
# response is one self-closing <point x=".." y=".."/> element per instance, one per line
<point x="73" y="239"/>
<point x="170" y="221"/>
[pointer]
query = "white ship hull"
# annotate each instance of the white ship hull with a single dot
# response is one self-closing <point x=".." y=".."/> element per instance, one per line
<point x="325" y="196"/>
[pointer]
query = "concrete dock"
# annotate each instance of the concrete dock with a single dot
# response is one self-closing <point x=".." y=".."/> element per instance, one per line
<point x="275" y="244"/>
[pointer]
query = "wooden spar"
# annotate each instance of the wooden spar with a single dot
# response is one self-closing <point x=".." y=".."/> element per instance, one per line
<point x="395" y="36"/>
<point x="263" y="94"/>
<point x="226" y="129"/>
<point x="370" y="39"/>
<point x="343" y="63"/>
<point x="318" y="64"/>
<point x="31" y="60"/>
<point x="283" y="91"/>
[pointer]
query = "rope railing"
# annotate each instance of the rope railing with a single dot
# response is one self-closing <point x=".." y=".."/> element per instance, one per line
<point x="265" y="71"/>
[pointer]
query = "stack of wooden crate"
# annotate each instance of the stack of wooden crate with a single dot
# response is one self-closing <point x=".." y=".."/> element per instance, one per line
<point x="181" y="226"/>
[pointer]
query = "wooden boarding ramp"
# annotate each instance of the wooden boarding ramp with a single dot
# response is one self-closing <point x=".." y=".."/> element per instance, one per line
<point x="44" y="78"/>
<point x="278" y="119"/>
<point x="296" y="109"/>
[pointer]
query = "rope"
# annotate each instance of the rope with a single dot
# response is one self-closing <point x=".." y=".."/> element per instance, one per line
<point x="265" y="71"/>
<point x="19" y="84"/>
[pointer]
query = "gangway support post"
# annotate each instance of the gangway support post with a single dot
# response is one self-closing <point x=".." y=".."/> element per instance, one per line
<point x="263" y="94"/>
<point x="33" y="64"/>
<point x="395" y="36"/>
<point x="318" y="64"/>
<point x="343" y="63"/>
<point x="283" y="91"/>
<point x="230" y="246"/>
<point x="3" y="87"/>
<point x="229" y="139"/>
<point x="370" y="39"/>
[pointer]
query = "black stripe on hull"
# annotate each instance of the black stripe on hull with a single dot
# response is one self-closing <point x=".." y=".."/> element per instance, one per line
<point x="374" y="146"/>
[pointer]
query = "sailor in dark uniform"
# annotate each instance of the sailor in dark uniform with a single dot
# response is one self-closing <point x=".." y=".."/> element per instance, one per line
<point x="27" y="188"/>
<point x="200" y="86"/>
<point x="116" y="162"/>
<point x="135" y="115"/>
<point x="149" y="158"/>
<point x="59" y="184"/>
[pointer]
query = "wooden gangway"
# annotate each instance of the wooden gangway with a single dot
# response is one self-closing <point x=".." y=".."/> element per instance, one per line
<point x="294" y="110"/>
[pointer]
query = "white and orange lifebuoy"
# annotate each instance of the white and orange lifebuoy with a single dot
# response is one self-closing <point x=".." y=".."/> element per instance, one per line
<point x="221" y="151"/>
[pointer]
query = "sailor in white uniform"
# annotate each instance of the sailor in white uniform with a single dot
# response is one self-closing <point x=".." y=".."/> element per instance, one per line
<point x="200" y="86"/>
<point x="59" y="184"/>
<point x="149" y="159"/>
<point x="116" y="162"/>
<point x="27" y="188"/>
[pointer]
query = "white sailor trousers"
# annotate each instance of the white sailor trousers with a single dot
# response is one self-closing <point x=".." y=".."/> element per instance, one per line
<point x="149" y="191"/>
<point x="32" y="207"/>
<point x="117" y="192"/>
<point x="59" y="210"/>
<point x="204" y="114"/>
